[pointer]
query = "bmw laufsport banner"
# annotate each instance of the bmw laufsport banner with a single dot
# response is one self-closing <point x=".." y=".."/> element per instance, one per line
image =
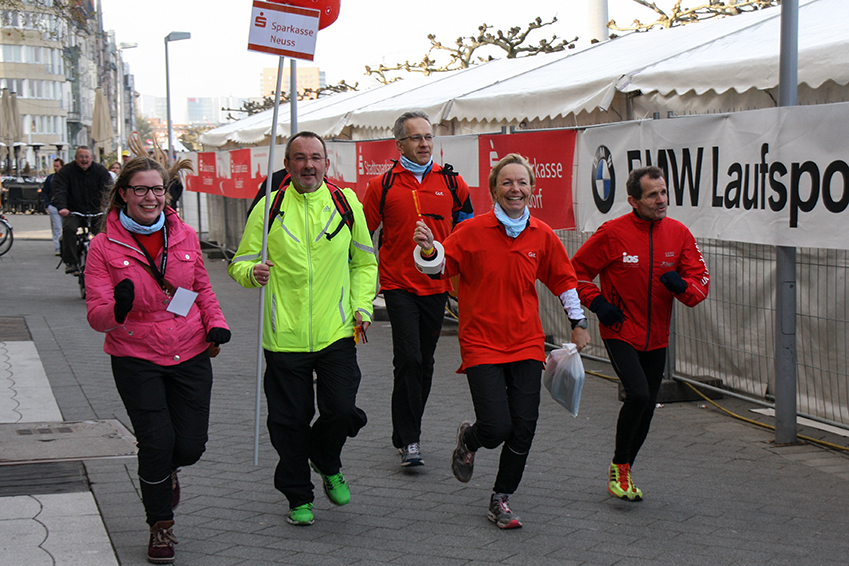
<point x="777" y="176"/>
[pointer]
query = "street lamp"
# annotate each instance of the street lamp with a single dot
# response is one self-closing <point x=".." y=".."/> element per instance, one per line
<point x="121" y="47"/>
<point x="173" y="36"/>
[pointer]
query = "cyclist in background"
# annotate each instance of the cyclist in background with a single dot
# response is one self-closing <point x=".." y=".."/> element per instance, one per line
<point x="79" y="186"/>
<point x="47" y="194"/>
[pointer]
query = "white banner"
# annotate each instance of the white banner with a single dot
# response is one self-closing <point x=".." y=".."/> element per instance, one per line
<point x="777" y="176"/>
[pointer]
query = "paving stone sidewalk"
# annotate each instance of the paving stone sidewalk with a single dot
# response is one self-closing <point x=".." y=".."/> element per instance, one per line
<point x="717" y="491"/>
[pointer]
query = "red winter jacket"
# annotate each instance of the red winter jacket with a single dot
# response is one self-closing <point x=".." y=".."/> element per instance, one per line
<point x="397" y="270"/>
<point x="149" y="331"/>
<point x="631" y="254"/>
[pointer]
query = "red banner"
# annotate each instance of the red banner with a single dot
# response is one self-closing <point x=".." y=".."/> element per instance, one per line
<point x="205" y="178"/>
<point x="243" y="183"/>
<point x="373" y="159"/>
<point x="551" y="154"/>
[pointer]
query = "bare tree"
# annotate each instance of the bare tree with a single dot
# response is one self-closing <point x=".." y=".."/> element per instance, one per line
<point x="251" y="107"/>
<point x="328" y="90"/>
<point x="463" y="54"/>
<point x="191" y="136"/>
<point x="707" y="10"/>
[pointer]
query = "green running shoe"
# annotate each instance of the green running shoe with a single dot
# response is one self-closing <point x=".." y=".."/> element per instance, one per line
<point x="301" y="515"/>
<point x="620" y="485"/>
<point x="335" y="487"/>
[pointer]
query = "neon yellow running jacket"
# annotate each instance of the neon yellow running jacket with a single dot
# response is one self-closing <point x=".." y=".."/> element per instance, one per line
<point x="316" y="285"/>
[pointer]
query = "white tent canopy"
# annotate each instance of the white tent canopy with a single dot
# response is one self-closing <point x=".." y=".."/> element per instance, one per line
<point x="748" y="57"/>
<point x="712" y="61"/>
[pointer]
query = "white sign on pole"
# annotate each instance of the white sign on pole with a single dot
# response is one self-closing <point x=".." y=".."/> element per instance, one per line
<point x="283" y="30"/>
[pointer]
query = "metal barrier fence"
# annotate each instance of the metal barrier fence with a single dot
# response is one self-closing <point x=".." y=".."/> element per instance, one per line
<point x="730" y="335"/>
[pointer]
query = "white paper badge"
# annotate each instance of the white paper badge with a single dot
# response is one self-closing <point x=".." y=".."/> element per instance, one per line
<point x="182" y="301"/>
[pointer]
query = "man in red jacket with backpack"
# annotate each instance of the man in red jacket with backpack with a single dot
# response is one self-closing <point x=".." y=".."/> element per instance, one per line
<point x="644" y="260"/>
<point x="415" y="188"/>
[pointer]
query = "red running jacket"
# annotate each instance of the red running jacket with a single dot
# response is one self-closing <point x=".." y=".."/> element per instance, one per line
<point x="630" y="255"/>
<point x="397" y="270"/>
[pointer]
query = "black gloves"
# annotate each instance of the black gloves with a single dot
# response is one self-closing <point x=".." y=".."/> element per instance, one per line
<point x="607" y="313"/>
<point x="218" y="335"/>
<point x="124" y="294"/>
<point x="673" y="282"/>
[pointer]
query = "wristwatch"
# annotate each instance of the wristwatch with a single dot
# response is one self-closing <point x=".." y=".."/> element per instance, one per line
<point x="582" y="323"/>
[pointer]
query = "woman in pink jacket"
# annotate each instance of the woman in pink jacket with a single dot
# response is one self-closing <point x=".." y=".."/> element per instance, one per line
<point x="148" y="290"/>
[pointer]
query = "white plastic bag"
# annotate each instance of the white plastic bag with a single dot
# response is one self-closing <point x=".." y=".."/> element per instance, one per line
<point x="564" y="377"/>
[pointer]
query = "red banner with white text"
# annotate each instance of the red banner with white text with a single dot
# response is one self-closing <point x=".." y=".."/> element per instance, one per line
<point x="238" y="172"/>
<point x="551" y="154"/>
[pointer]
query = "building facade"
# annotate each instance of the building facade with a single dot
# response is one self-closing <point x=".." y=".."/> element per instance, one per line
<point x="53" y="57"/>
<point x="308" y="78"/>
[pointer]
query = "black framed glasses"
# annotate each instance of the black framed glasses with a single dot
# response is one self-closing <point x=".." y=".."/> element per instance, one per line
<point x="417" y="138"/>
<point x="141" y="190"/>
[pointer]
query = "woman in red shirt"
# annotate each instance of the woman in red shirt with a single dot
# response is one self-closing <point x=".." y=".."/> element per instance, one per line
<point x="498" y="257"/>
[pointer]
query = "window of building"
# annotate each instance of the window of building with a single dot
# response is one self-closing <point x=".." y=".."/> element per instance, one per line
<point x="10" y="19"/>
<point x="12" y="54"/>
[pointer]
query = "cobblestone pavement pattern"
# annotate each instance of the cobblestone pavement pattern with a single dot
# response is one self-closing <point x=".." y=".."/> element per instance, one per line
<point x="717" y="491"/>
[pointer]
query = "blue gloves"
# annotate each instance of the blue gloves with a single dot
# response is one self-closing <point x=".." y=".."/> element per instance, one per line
<point x="607" y="313"/>
<point x="673" y="282"/>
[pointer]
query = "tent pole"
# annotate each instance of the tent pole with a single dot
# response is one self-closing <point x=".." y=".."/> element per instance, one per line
<point x="785" y="267"/>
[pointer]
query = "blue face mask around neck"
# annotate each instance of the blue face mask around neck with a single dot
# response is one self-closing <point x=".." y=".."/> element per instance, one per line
<point x="136" y="228"/>
<point x="414" y="167"/>
<point x="513" y="226"/>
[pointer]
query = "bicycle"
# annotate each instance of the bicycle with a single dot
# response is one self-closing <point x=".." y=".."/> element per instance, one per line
<point x="7" y="236"/>
<point x="83" y="240"/>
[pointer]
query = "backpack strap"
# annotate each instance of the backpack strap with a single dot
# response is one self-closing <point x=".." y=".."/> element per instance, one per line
<point x="274" y="210"/>
<point x="450" y="177"/>
<point x="386" y="181"/>
<point x="336" y="194"/>
<point x="447" y="172"/>
<point x="342" y="207"/>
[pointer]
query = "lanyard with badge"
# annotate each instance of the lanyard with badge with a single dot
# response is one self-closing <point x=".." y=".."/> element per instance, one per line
<point x="180" y="300"/>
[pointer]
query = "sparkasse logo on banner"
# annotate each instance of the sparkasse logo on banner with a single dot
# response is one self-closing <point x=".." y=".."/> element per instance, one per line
<point x="777" y="176"/>
<point x="283" y="30"/>
<point x="550" y="154"/>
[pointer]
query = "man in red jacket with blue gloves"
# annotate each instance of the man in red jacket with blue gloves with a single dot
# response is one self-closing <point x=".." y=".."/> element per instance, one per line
<point x="644" y="260"/>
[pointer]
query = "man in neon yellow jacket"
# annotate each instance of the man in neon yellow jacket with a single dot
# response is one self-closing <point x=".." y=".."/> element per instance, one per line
<point x="321" y="275"/>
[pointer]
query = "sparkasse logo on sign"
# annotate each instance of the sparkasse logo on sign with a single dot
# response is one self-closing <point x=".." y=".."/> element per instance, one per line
<point x="283" y="30"/>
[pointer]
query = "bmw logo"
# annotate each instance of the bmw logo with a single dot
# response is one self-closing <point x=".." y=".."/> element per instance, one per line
<point x="604" y="179"/>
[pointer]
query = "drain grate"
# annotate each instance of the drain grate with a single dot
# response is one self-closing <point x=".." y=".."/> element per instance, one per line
<point x="42" y="479"/>
<point x="64" y="441"/>
<point x="30" y="431"/>
<point x="14" y="329"/>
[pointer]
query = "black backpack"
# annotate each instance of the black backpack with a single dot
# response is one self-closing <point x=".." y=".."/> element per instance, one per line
<point x="448" y="173"/>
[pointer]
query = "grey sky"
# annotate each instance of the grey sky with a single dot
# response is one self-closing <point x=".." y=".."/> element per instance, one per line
<point x="216" y="62"/>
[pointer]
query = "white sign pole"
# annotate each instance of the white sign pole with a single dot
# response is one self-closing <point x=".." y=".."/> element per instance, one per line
<point x="264" y="257"/>
<point x="281" y="30"/>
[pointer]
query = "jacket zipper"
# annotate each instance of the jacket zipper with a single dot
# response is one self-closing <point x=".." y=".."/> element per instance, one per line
<point x="651" y="269"/>
<point x="308" y="242"/>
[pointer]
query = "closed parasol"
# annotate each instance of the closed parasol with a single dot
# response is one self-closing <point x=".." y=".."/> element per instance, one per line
<point x="10" y="123"/>
<point x="101" y="122"/>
